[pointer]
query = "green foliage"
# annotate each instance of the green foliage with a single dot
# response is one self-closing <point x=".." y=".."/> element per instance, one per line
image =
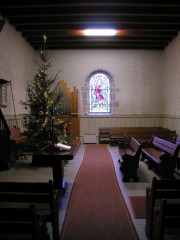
<point x="43" y="98"/>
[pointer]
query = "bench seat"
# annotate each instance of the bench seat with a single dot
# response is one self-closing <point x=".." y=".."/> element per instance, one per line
<point x="154" y="154"/>
<point x="162" y="156"/>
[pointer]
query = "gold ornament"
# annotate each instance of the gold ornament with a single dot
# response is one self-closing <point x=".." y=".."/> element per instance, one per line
<point x="44" y="38"/>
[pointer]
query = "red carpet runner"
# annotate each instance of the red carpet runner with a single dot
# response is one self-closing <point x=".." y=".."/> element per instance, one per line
<point x="97" y="210"/>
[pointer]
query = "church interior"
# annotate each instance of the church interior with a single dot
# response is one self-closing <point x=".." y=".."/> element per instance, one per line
<point x="119" y="91"/>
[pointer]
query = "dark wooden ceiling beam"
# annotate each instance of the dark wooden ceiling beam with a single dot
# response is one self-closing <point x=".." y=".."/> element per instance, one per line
<point x="81" y="26"/>
<point x="160" y="48"/>
<point x="113" y="39"/>
<point x="141" y="24"/>
<point x="90" y="11"/>
<point x="102" y="44"/>
<point x="34" y="3"/>
<point x="107" y="44"/>
<point x="130" y="32"/>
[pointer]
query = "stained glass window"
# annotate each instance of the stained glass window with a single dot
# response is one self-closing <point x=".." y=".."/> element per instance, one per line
<point x="99" y="93"/>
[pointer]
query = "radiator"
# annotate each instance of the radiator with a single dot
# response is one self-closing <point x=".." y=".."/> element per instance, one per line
<point x="90" y="138"/>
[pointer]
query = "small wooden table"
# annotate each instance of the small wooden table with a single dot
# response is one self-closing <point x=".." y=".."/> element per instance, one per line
<point x="56" y="160"/>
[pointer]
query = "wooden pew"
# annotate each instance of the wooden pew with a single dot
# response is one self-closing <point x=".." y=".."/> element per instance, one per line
<point x="22" y="223"/>
<point x="144" y="134"/>
<point x="117" y="135"/>
<point x="104" y="135"/>
<point x="16" y="135"/>
<point x="166" y="220"/>
<point x="42" y="194"/>
<point x="160" y="189"/>
<point x="177" y="142"/>
<point x="114" y="135"/>
<point x="161" y="155"/>
<point x="129" y="159"/>
<point x="17" y="141"/>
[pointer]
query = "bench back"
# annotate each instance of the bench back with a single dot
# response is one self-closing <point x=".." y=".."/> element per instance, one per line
<point x="16" y="223"/>
<point x="144" y="129"/>
<point x="160" y="188"/>
<point x="118" y="131"/>
<point x="15" y="132"/>
<point x="177" y="140"/>
<point x="165" y="188"/>
<point x="44" y="190"/>
<point x="104" y="130"/>
<point x="168" y="147"/>
<point x="16" y="135"/>
<point x="136" y="146"/>
<point x="42" y="194"/>
<point x="143" y="134"/>
<point x="30" y="192"/>
<point x="165" y="216"/>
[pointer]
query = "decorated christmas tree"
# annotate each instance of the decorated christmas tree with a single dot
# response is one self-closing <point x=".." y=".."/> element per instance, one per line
<point x="42" y="122"/>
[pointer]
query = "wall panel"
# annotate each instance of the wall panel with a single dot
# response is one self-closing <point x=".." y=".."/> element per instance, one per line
<point x="90" y="125"/>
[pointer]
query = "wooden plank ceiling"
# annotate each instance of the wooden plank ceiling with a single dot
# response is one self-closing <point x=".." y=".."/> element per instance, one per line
<point x="141" y="24"/>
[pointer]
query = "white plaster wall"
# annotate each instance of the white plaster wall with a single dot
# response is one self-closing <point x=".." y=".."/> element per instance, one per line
<point x="171" y="78"/>
<point x="16" y="65"/>
<point x="137" y="75"/>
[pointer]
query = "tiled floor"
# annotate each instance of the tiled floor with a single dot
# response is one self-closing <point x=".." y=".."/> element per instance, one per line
<point x="23" y="171"/>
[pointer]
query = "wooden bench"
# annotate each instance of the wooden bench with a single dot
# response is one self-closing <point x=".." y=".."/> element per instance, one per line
<point x="17" y="141"/>
<point x="113" y="135"/>
<point x="129" y="159"/>
<point x="42" y="194"/>
<point x="16" y="135"/>
<point x="144" y="134"/>
<point x="166" y="221"/>
<point x="22" y="223"/>
<point x="117" y="135"/>
<point x="104" y="135"/>
<point x="160" y="189"/>
<point x="177" y="142"/>
<point x="161" y="155"/>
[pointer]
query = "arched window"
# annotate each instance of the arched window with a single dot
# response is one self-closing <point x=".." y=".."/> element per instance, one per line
<point x="99" y="92"/>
